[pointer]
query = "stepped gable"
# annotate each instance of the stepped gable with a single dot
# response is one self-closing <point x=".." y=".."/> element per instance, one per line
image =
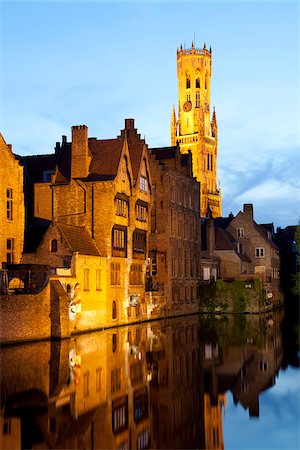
<point x="136" y="146"/>
<point x="78" y="239"/>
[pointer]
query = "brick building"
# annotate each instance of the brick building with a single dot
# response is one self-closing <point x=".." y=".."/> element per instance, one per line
<point x="242" y="248"/>
<point x="12" y="205"/>
<point x="104" y="188"/>
<point x="175" y="237"/>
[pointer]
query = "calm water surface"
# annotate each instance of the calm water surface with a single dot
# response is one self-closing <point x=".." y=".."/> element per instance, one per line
<point x="208" y="382"/>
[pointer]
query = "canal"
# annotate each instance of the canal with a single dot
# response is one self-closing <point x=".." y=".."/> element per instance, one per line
<point x="195" y="382"/>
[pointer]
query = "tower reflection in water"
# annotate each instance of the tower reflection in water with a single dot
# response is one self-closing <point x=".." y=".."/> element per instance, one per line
<point x="156" y="385"/>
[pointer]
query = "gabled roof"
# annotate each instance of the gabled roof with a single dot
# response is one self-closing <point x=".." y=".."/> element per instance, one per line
<point x="106" y="154"/>
<point x="35" y="166"/>
<point x="78" y="239"/>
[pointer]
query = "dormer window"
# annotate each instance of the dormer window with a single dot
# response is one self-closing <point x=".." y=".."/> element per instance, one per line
<point x="143" y="183"/>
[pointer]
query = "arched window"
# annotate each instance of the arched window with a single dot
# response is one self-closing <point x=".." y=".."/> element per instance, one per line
<point x="198" y="83"/>
<point x="114" y="310"/>
<point x="188" y="82"/>
<point x="206" y="83"/>
<point x="53" y="246"/>
<point x="114" y="343"/>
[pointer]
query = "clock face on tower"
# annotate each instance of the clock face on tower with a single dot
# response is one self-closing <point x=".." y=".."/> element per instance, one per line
<point x="187" y="106"/>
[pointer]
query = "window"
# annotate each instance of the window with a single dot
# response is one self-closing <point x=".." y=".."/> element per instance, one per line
<point x="47" y="175"/>
<point x="197" y="99"/>
<point x="6" y="426"/>
<point x="188" y="82"/>
<point x="10" y="250"/>
<point x="239" y="247"/>
<point x="86" y="285"/>
<point x="119" y="241"/>
<point x="9" y="205"/>
<point x="240" y="232"/>
<point x="136" y="374"/>
<point x="140" y="405"/>
<point x="114" y="343"/>
<point x="198" y="83"/>
<point x="209" y="162"/>
<point x="259" y="252"/>
<point x="139" y="242"/>
<point x="143" y="183"/>
<point x="141" y="213"/>
<point x="98" y="280"/>
<point x="142" y="440"/>
<point x="53" y="246"/>
<point x="120" y="414"/>
<point x="121" y="207"/>
<point x="115" y="380"/>
<point x="188" y="97"/>
<point x="119" y="238"/>
<point x="136" y="275"/>
<point x="86" y="382"/>
<point x="115" y="274"/>
<point x="114" y="310"/>
<point x="98" y="379"/>
<point x="263" y="366"/>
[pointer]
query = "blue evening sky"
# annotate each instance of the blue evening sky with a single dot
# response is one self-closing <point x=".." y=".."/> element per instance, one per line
<point x="97" y="63"/>
<point x="278" y="426"/>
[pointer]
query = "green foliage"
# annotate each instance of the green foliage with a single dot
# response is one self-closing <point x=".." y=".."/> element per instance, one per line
<point x="296" y="278"/>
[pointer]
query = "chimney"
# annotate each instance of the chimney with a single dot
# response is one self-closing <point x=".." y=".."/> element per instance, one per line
<point x="248" y="210"/>
<point x="129" y="124"/>
<point x="210" y="234"/>
<point x="10" y="147"/>
<point x="80" y="152"/>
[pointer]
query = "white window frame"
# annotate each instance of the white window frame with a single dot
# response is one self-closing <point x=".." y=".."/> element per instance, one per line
<point x="259" y="252"/>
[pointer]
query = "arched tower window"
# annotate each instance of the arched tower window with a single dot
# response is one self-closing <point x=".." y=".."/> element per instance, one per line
<point x="188" y="82"/>
<point x="53" y="246"/>
<point x="206" y="83"/>
<point x="198" y="83"/>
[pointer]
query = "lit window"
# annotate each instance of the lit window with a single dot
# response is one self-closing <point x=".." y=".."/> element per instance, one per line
<point x="136" y="275"/>
<point x="120" y="415"/>
<point x="121" y="207"/>
<point x="86" y="280"/>
<point x="98" y="280"/>
<point x="10" y="250"/>
<point x="143" y="183"/>
<point x="259" y="252"/>
<point x="119" y="241"/>
<point x="240" y="232"/>
<point x="9" y="205"/>
<point x="115" y="274"/>
<point x="141" y="213"/>
<point x="115" y="380"/>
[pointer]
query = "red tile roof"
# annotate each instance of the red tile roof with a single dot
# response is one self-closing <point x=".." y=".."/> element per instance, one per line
<point x="78" y="239"/>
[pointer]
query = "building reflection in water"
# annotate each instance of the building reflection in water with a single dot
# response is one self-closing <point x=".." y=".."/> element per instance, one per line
<point x="154" y="385"/>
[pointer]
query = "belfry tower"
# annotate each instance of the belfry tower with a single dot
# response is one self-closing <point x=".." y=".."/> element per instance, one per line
<point x="195" y="129"/>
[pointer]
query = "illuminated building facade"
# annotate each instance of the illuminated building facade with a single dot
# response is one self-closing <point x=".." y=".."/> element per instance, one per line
<point x="12" y="205"/>
<point x="193" y="128"/>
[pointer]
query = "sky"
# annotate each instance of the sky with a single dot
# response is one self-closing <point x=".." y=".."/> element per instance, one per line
<point x="97" y="63"/>
<point x="279" y="413"/>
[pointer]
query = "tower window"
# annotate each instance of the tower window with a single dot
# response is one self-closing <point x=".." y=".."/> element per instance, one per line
<point x="209" y="162"/>
<point x="188" y="82"/>
<point x="188" y="97"/>
<point x="206" y="82"/>
<point x="198" y="83"/>
<point x="197" y="99"/>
